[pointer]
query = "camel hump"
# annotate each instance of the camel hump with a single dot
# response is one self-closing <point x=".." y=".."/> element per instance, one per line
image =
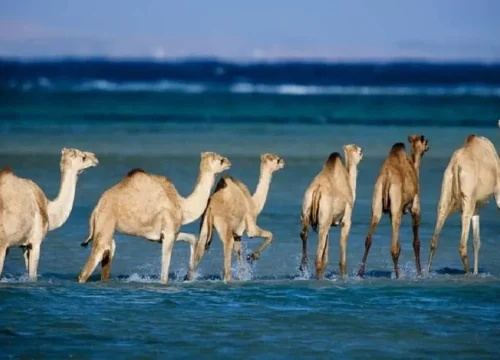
<point x="135" y="171"/>
<point x="470" y="138"/>
<point x="398" y="147"/>
<point x="222" y="183"/>
<point x="6" y="170"/>
<point x="332" y="160"/>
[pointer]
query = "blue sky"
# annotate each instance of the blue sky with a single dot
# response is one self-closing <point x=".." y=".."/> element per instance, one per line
<point x="256" y="29"/>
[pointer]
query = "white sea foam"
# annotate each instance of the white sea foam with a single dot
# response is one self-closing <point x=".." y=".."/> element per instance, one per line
<point x="243" y="87"/>
<point x="159" y="86"/>
<point x="294" y="89"/>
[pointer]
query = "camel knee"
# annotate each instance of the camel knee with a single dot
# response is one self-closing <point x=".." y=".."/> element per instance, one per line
<point x="395" y="251"/>
<point x="462" y="249"/>
<point x="433" y="244"/>
<point x="304" y="234"/>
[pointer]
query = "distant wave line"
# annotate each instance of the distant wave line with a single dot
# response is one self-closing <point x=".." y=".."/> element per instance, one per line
<point x="10" y="123"/>
<point x="104" y="85"/>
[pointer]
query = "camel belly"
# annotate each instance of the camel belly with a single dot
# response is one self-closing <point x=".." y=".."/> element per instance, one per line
<point x="150" y="231"/>
<point x="21" y="231"/>
<point x="337" y="218"/>
<point x="17" y="229"/>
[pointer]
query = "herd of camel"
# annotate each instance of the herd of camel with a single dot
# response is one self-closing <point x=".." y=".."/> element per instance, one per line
<point x="149" y="206"/>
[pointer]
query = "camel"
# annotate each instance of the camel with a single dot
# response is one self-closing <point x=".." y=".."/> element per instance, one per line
<point x="329" y="201"/>
<point x="148" y="206"/>
<point x="26" y="215"/>
<point x="232" y="210"/>
<point x="396" y="192"/>
<point x="471" y="177"/>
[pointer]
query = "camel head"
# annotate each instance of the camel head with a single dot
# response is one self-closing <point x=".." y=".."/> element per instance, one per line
<point x="272" y="162"/>
<point x="419" y="144"/>
<point x="214" y="163"/>
<point x="77" y="160"/>
<point x="353" y="153"/>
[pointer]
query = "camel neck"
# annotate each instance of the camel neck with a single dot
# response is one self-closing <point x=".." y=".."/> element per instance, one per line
<point x="415" y="158"/>
<point x="60" y="208"/>
<point x="194" y="205"/>
<point x="260" y="195"/>
<point x="352" y="169"/>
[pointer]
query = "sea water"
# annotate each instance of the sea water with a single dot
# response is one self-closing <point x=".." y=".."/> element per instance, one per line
<point x="159" y="118"/>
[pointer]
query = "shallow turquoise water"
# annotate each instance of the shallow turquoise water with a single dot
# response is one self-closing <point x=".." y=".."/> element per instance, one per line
<point x="270" y="311"/>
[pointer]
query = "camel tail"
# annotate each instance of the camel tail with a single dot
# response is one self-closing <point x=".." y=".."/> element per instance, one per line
<point x="380" y="200"/>
<point x="456" y="179"/>
<point x="91" y="229"/>
<point x="314" y="214"/>
<point x="206" y="229"/>
<point x="381" y="194"/>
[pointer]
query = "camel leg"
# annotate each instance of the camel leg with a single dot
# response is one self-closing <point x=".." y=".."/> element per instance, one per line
<point x="106" y="261"/>
<point x="305" y="219"/>
<point x="237" y="248"/>
<point x="226" y="236"/>
<point x="325" y="258"/>
<point x="376" y="215"/>
<point x="255" y="231"/>
<point x="228" y="248"/>
<point x="304" y="262"/>
<point x="33" y="260"/>
<point x="435" y="238"/>
<point x="26" y="255"/>
<point x="3" y="255"/>
<point x="415" y="219"/>
<point x="444" y="209"/>
<point x="320" y="253"/>
<point x="191" y="240"/>
<point x="166" y="253"/>
<point x="344" y="233"/>
<point x="96" y="255"/>
<point x="477" y="240"/>
<point x="466" y="219"/>
<point x="199" y="248"/>
<point x="395" y="193"/>
<point x="198" y="251"/>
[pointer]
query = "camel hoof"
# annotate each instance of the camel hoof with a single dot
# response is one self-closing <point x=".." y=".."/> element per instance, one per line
<point x="252" y="257"/>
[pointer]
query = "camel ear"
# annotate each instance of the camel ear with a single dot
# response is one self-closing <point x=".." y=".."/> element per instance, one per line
<point x="63" y="151"/>
<point x="410" y="139"/>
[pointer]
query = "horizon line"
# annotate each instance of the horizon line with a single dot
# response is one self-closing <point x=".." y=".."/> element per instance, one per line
<point x="249" y="60"/>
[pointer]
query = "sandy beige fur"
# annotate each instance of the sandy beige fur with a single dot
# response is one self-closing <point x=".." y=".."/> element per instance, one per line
<point x="26" y="215"/>
<point x="396" y="192"/>
<point x="148" y="206"/>
<point x="329" y="201"/>
<point x="232" y="210"/>
<point x="470" y="179"/>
